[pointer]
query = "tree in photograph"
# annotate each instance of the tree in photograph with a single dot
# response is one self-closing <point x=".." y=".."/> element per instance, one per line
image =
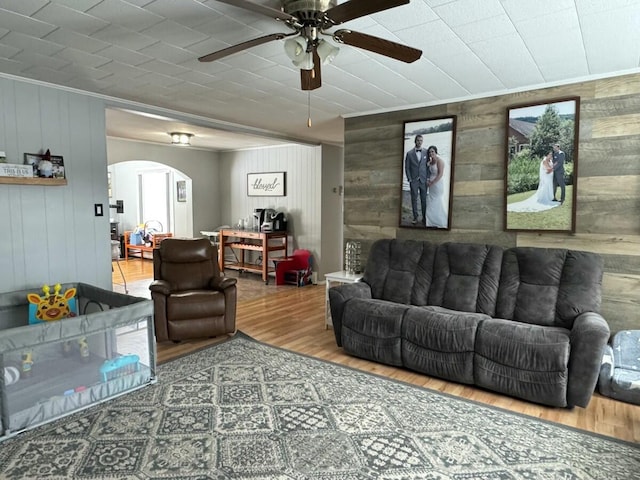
<point x="546" y="132"/>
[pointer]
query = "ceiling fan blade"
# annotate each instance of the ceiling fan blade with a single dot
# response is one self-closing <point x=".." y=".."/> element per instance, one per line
<point x="262" y="9"/>
<point x="243" y="46"/>
<point x="311" y="79"/>
<point x="379" y="45"/>
<point x="359" y="8"/>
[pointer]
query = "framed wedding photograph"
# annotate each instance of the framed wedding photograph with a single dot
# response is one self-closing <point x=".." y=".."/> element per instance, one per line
<point x="542" y="166"/>
<point x="181" y="190"/>
<point x="267" y="184"/>
<point x="427" y="173"/>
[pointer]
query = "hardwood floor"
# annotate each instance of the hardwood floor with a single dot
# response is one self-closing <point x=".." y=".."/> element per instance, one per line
<point x="293" y="318"/>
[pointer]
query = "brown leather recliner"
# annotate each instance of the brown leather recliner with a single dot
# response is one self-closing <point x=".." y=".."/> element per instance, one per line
<point x="190" y="297"/>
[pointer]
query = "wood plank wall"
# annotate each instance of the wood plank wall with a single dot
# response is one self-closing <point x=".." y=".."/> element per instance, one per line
<point x="608" y="198"/>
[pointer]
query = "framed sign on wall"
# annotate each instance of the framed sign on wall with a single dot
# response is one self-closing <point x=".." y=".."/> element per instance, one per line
<point x="267" y="184"/>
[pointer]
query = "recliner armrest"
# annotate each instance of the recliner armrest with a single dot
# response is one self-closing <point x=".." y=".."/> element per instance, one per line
<point x="338" y="297"/>
<point x="222" y="283"/>
<point x="589" y="337"/>
<point x="160" y="286"/>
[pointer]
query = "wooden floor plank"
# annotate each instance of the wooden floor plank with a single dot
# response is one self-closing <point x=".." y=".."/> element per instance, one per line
<point x="293" y="318"/>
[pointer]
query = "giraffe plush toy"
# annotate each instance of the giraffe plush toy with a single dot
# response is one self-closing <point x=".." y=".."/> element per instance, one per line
<point x="48" y="308"/>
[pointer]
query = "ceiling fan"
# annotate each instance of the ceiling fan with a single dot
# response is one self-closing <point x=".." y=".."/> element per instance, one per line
<point x="309" y="20"/>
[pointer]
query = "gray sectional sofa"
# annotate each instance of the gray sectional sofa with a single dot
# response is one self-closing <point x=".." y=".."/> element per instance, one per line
<point x="522" y="321"/>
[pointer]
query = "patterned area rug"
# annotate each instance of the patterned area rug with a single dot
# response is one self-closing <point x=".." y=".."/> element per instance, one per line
<point x="245" y="410"/>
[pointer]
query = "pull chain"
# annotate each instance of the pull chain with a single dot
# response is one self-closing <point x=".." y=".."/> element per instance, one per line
<point x="309" y="109"/>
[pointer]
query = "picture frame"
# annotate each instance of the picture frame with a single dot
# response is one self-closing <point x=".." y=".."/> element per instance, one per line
<point x="267" y="184"/>
<point x="181" y="190"/>
<point x="426" y="186"/>
<point x="33" y="159"/>
<point x="541" y="166"/>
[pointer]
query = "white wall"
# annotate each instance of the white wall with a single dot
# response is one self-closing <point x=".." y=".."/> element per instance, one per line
<point x="301" y="204"/>
<point x="125" y="187"/>
<point x="50" y="233"/>
<point x="200" y="166"/>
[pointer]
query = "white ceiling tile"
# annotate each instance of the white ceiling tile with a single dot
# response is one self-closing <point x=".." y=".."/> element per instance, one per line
<point x="612" y="52"/>
<point x="471" y="73"/>
<point x="80" y="5"/>
<point x="46" y="61"/>
<point x="124" y="14"/>
<point x="195" y="14"/>
<point x="122" y="69"/>
<point x="406" y="16"/>
<point x="82" y="58"/>
<point x="23" y="7"/>
<point x="229" y="30"/>
<point x="7" y="51"/>
<point x="167" y="52"/>
<point x="124" y="55"/>
<point x="519" y="10"/>
<point x="69" y="18"/>
<point x="124" y="38"/>
<point x="65" y="37"/>
<point x="174" y="33"/>
<point x="29" y="26"/>
<point x="590" y="7"/>
<point x="485" y="29"/>
<point x="460" y="12"/>
<point x="164" y="68"/>
<point x="520" y="70"/>
<point x="32" y="44"/>
<point x="52" y="75"/>
<point x="160" y="79"/>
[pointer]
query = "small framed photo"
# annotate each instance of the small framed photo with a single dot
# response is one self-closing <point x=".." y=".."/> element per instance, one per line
<point x="181" y="190"/>
<point x="542" y="166"/>
<point x="33" y="159"/>
<point x="427" y="173"/>
<point x="267" y="184"/>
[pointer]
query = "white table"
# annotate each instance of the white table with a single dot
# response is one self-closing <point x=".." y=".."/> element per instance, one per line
<point x="336" y="277"/>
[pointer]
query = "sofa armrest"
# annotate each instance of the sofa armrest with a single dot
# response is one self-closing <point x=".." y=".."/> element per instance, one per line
<point x="338" y="297"/>
<point x="589" y="337"/>
<point x="160" y="286"/>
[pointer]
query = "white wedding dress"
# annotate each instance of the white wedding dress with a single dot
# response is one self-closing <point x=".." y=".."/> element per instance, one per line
<point x="541" y="200"/>
<point x="436" y="215"/>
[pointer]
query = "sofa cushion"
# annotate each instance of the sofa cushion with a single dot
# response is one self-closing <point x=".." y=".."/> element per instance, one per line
<point x="523" y="360"/>
<point x="547" y="286"/>
<point x="400" y="270"/>
<point x="440" y="342"/>
<point x="371" y="329"/>
<point x="466" y="276"/>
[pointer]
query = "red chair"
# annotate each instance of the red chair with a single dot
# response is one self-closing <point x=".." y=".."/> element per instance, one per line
<point x="295" y="270"/>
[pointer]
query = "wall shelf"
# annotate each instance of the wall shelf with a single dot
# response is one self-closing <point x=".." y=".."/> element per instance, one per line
<point x="33" y="181"/>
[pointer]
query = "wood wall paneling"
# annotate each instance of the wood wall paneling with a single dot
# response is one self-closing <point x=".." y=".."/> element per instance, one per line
<point x="608" y="184"/>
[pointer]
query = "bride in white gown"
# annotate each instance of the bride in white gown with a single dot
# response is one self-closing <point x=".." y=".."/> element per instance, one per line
<point x="436" y="214"/>
<point x="543" y="198"/>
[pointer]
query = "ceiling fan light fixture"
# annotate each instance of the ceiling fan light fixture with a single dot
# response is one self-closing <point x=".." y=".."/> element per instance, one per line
<point x="179" y="138"/>
<point x="295" y="48"/>
<point x="327" y="52"/>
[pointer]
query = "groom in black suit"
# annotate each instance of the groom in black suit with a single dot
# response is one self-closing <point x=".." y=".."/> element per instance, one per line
<point x="558" y="172"/>
<point x="415" y="167"/>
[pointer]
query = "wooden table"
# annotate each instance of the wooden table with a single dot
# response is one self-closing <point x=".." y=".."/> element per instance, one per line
<point x="243" y="240"/>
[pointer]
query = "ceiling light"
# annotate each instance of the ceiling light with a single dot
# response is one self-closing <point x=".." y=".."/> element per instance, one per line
<point x="326" y="51"/>
<point x="178" y="138"/>
<point x="295" y="48"/>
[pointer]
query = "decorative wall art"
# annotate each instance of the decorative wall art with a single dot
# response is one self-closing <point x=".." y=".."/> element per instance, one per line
<point x="427" y="173"/>
<point x="181" y="190"/>
<point x="267" y="184"/>
<point x="542" y="166"/>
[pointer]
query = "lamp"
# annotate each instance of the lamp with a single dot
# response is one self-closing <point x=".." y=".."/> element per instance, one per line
<point x="178" y="138"/>
<point x="326" y="51"/>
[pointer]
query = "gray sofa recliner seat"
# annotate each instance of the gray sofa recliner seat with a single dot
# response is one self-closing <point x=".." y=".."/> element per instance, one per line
<point x="521" y="321"/>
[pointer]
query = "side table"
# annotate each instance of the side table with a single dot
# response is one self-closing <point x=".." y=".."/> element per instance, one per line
<point x="338" y="277"/>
